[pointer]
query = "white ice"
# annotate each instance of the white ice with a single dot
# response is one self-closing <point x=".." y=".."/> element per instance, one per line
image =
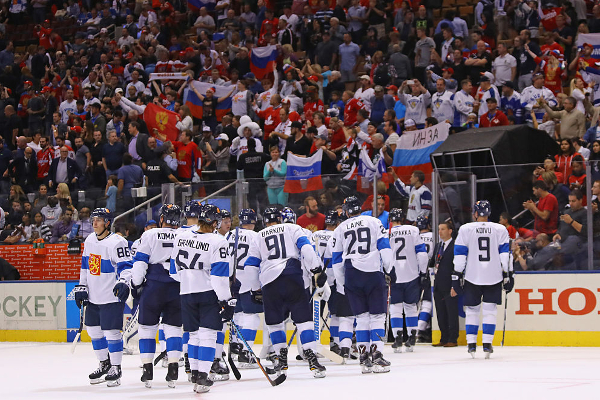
<point x="50" y="371"/>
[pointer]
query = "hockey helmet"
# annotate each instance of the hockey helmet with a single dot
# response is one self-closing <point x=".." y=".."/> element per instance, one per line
<point x="247" y="216"/>
<point x="103" y="213"/>
<point x="332" y="218"/>
<point x="170" y="214"/>
<point x="192" y="209"/>
<point x="288" y="216"/>
<point x="210" y="214"/>
<point x="352" y="205"/>
<point x="271" y="214"/>
<point x="422" y="222"/>
<point x="225" y="213"/>
<point x="396" y="215"/>
<point x="482" y="208"/>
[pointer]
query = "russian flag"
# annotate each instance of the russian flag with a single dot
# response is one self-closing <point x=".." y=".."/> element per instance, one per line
<point x="415" y="147"/>
<point x="262" y="60"/>
<point x="195" y="104"/>
<point x="198" y="4"/>
<point x="303" y="173"/>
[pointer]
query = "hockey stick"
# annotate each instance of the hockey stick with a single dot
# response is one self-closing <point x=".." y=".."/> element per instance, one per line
<point x="296" y="329"/>
<point x="324" y="351"/>
<point x="159" y="357"/>
<point x="81" y="316"/>
<point x="504" y="327"/>
<point x="131" y="327"/>
<point x="274" y="382"/>
<point x="234" y="368"/>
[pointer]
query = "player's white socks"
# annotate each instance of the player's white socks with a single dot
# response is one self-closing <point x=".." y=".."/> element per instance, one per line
<point x="410" y="310"/>
<point x="147" y="342"/>
<point x="250" y="325"/>
<point x="99" y="342"/>
<point x="306" y="334"/>
<point x="206" y="339"/>
<point x="472" y="322"/>
<point x="346" y="329"/>
<point x="220" y="341"/>
<point x="334" y="330"/>
<point x="193" y="344"/>
<point x="161" y="337"/>
<point x="488" y="326"/>
<point x="173" y="336"/>
<point x="114" y="337"/>
<point x="363" y="330"/>
<point x="277" y="336"/>
<point x="425" y="315"/>
<point x="396" y="318"/>
<point x="377" y="325"/>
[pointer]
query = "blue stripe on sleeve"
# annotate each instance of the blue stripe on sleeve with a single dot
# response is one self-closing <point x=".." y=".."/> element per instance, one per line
<point x="220" y="268"/>
<point x="383" y="243"/>
<point x="420" y="248"/>
<point x="460" y="250"/>
<point x="327" y="262"/>
<point x="336" y="257"/>
<point x="503" y="248"/>
<point x="123" y="265"/>
<point x="252" y="261"/>
<point x="139" y="256"/>
<point x="84" y="262"/>
<point x="302" y="241"/>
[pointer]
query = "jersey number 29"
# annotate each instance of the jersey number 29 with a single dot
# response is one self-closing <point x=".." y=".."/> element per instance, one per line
<point x="362" y="235"/>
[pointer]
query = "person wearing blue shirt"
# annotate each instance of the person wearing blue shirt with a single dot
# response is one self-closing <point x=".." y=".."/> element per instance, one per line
<point x="382" y="215"/>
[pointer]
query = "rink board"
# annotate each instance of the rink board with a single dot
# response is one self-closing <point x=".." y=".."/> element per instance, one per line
<point x="545" y="309"/>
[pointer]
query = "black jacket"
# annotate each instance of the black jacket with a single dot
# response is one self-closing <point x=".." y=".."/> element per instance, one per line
<point x="72" y="171"/>
<point x="24" y="171"/>
<point x="443" y="276"/>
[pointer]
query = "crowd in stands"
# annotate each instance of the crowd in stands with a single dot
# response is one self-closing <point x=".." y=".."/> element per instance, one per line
<point x="350" y="74"/>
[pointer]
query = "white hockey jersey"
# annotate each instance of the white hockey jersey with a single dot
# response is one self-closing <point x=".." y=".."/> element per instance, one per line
<point x="419" y="200"/>
<point x="271" y="250"/>
<point x="363" y="241"/>
<point x="322" y="240"/>
<point x="201" y="261"/>
<point x="409" y="252"/>
<point x="529" y="98"/>
<point x="463" y="105"/>
<point x="492" y="93"/>
<point x="416" y="106"/>
<point x="152" y="260"/>
<point x="245" y="239"/>
<point x="427" y="238"/>
<point x="103" y="262"/>
<point x="442" y="106"/>
<point x="481" y="251"/>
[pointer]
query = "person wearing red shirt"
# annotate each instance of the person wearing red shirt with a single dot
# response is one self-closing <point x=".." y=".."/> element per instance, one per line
<point x="493" y="117"/>
<point x="187" y="154"/>
<point x="313" y="105"/>
<point x="351" y="108"/>
<point x="43" y="33"/>
<point x="546" y="211"/>
<point x="550" y="166"/>
<point x="577" y="178"/>
<point x="44" y="159"/>
<point x="270" y="116"/>
<point x="292" y="115"/>
<point x="27" y="94"/>
<point x="565" y="158"/>
<point x="269" y="20"/>
<point x="548" y="17"/>
<point x="312" y="220"/>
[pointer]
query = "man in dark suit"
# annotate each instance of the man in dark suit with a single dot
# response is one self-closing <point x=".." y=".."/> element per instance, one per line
<point x="446" y="300"/>
<point x="64" y="169"/>
<point x="23" y="170"/>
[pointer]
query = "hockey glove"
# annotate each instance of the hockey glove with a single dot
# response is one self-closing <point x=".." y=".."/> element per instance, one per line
<point x="136" y="291"/>
<point x="256" y="296"/>
<point x="121" y="290"/>
<point x="509" y="281"/>
<point x="424" y="281"/>
<point x="81" y="295"/>
<point x="390" y="277"/>
<point x="457" y="282"/>
<point x="228" y="308"/>
<point x="321" y="279"/>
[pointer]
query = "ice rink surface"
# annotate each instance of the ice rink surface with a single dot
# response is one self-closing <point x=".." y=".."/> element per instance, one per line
<point x="50" y="371"/>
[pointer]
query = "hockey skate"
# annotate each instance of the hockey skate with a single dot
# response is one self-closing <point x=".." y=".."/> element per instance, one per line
<point x="193" y="377"/>
<point x="472" y="348"/>
<point x="186" y="364"/>
<point x="345" y="353"/>
<point x="147" y="374"/>
<point x="98" y="375"/>
<point x="113" y="378"/>
<point x="246" y="360"/>
<point x="172" y="374"/>
<point x="411" y="341"/>
<point x="487" y="350"/>
<point x="313" y="363"/>
<point x="365" y="359"/>
<point x="236" y="349"/>
<point x="280" y="362"/>
<point x="219" y="371"/>
<point x="353" y="352"/>
<point x="335" y="348"/>
<point x="397" y="345"/>
<point x="202" y="384"/>
<point x="424" y="336"/>
<point x="380" y="364"/>
<point x="164" y="362"/>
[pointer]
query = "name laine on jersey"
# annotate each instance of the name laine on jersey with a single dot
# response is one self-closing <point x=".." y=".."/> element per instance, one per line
<point x="276" y="229"/>
<point x="483" y="230"/>
<point x="354" y="224"/>
<point x="165" y="235"/>
<point x="193" y="244"/>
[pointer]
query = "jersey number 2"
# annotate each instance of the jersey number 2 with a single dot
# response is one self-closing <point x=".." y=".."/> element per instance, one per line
<point x="484" y="247"/>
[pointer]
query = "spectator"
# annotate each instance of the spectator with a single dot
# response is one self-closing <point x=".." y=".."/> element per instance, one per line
<point x="540" y="260"/>
<point x="40" y="229"/>
<point x="111" y="193"/>
<point x="442" y="102"/>
<point x="464" y="103"/>
<point x="349" y="55"/>
<point x="380" y="103"/>
<point x="62" y="228"/>
<point x="493" y="117"/>
<point x="572" y="121"/>
<point x="312" y="219"/>
<point x="252" y="163"/>
<point x="83" y="157"/>
<point x="297" y="143"/>
<point x="129" y="176"/>
<point x="219" y="155"/>
<point x="63" y="170"/>
<point x="572" y="231"/>
<point x="564" y="158"/>
<point x="41" y="197"/>
<point x="560" y="191"/>
<point x="112" y="154"/>
<point x="84" y="225"/>
<point x="416" y="101"/>
<point x="274" y="174"/>
<point x="52" y="211"/>
<point x="510" y="103"/>
<point x="504" y="66"/>
<point x="381" y="215"/>
<point x="23" y="170"/>
<point x="187" y="156"/>
<point x="545" y="212"/>
<point x="423" y="49"/>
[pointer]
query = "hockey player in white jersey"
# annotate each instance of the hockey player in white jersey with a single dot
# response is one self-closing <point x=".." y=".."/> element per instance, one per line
<point x="225" y="225"/>
<point x="248" y="311"/>
<point x="419" y="195"/>
<point x="360" y="247"/>
<point x="481" y="256"/>
<point x="424" y="325"/>
<point x="103" y="289"/>
<point x="201" y="261"/>
<point x="274" y="267"/>
<point x="407" y="276"/>
<point x="158" y="294"/>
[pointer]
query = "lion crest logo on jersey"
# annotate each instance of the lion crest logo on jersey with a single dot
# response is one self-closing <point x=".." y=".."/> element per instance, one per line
<point x="94" y="262"/>
<point x="162" y="119"/>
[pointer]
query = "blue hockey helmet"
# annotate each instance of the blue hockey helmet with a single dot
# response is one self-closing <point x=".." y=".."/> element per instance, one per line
<point x="288" y="216"/>
<point x="209" y="214"/>
<point x="332" y="217"/>
<point x="483" y="208"/>
<point x="192" y="209"/>
<point x="103" y="213"/>
<point x="225" y="213"/>
<point x="247" y="217"/>
<point x="271" y="214"/>
<point x="422" y="222"/>
<point x="170" y="214"/>
<point x="352" y="205"/>
<point x="396" y="215"/>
